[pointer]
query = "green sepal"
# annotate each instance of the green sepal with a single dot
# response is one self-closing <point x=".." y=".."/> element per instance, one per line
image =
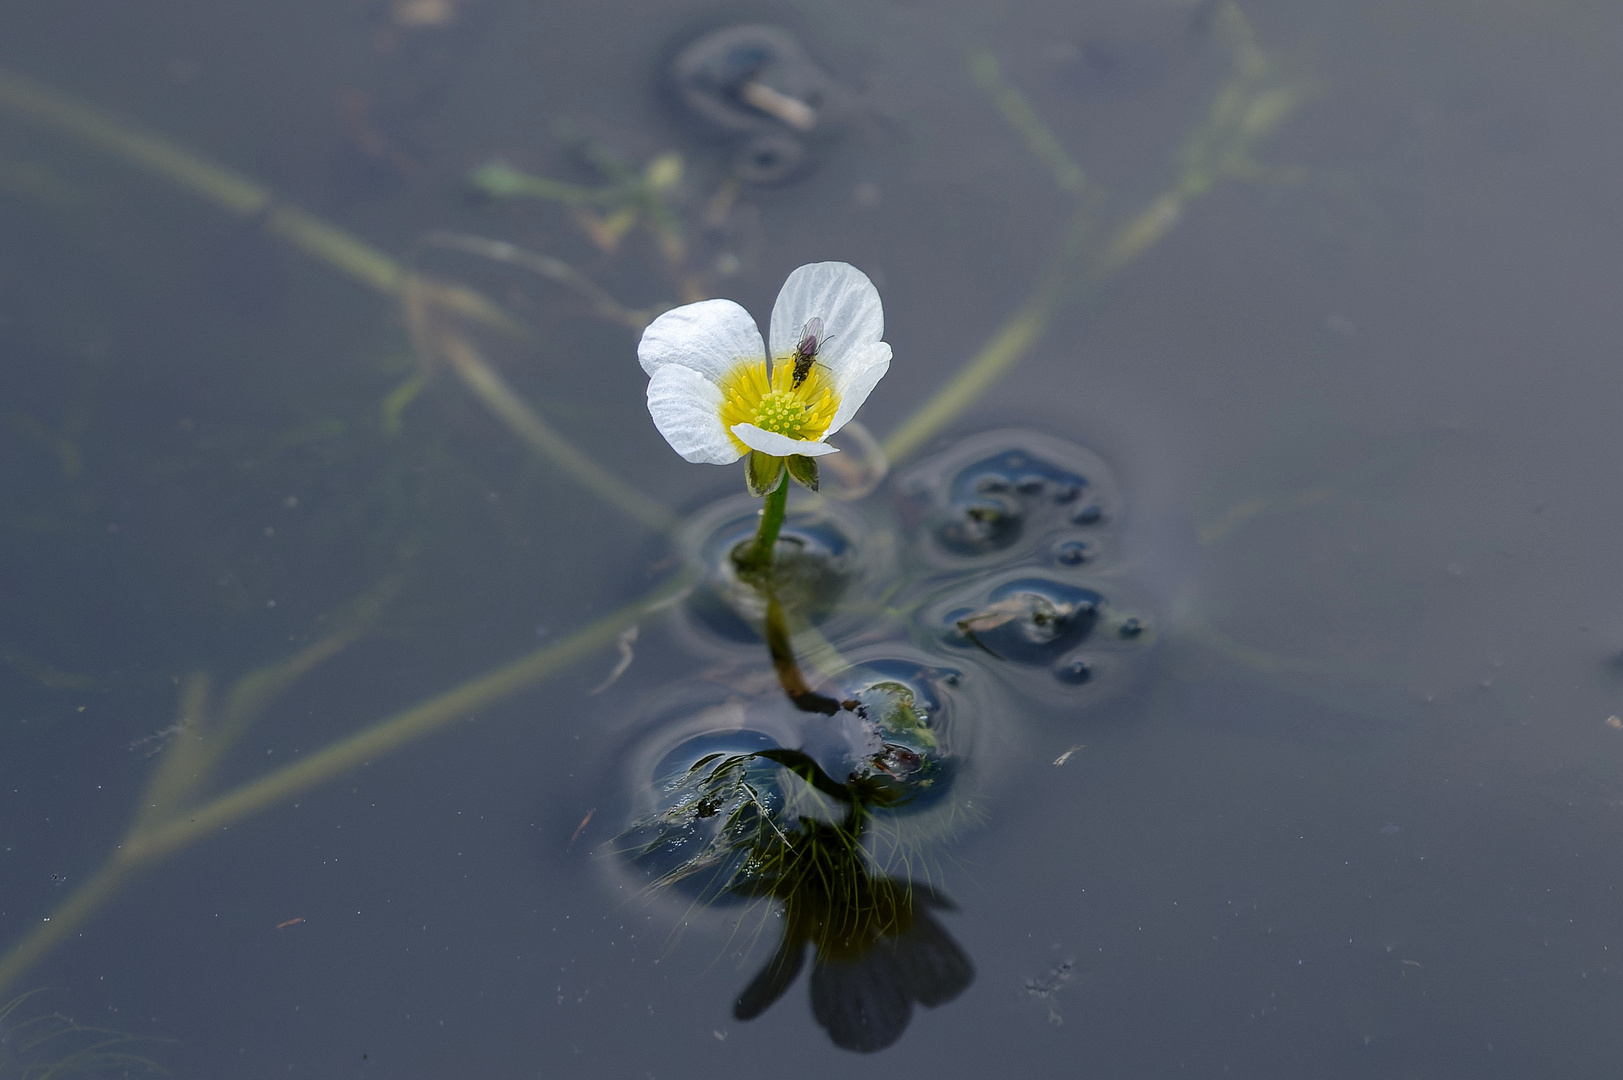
<point x="762" y="473"/>
<point x="803" y="470"/>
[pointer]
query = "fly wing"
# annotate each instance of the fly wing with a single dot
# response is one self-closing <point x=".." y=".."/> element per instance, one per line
<point x="811" y="337"/>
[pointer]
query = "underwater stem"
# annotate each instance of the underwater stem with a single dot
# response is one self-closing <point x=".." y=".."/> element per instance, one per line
<point x="523" y="421"/>
<point x="72" y="913"/>
<point x="341" y="251"/>
<point x="1012" y="341"/>
<point x="225" y="188"/>
<point x="1254" y="101"/>
<point x="782" y="651"/>
<point x="151" y="840"/>
<point x="386" y="735"/>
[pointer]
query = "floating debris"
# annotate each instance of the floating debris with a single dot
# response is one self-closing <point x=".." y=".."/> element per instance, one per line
<point x="755" y="87"/>
<point x="623" y="643"/>
<point x="1063" y="758"/>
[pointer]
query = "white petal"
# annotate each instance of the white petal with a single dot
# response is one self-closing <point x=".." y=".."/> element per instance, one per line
<point x="840" y="295"/>
<point x="856" y="379"/>
<point x="770" y="442"/>
<point x="711" y="337"/>
<point x="686" y="408"/>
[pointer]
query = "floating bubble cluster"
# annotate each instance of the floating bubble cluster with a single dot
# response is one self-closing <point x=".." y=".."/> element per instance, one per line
<point x="1015" y="536"/>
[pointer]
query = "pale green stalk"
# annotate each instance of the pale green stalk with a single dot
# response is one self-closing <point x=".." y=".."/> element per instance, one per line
<point x="154" y="837"/>
<point x="759" y="556"/>
<point x="343" y="252"/>
<point x="488" y="385"/>
<point x="1244" y="111"/>
<point x="1249" y="106"/>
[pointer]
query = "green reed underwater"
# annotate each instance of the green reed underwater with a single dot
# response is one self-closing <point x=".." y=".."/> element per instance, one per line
<point x="835" y="899"/>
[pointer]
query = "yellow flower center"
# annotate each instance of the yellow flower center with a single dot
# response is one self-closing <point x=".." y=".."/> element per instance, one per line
<point x="749" y="396"/>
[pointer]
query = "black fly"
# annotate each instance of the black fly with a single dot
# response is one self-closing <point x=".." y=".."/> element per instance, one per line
<point x="811" y="339"/>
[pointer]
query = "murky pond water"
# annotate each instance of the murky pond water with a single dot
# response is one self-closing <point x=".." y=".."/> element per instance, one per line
<point x="1228" y="666"/>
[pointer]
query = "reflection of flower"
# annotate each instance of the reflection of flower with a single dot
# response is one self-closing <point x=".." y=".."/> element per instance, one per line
<point x="716" y="394"/>
<point x="728" y="828"/>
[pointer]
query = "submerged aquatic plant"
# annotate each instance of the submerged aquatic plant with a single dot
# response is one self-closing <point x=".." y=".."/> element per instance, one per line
<point x="875" y="943"/>
<point x="820" y="804"/>
<point x="38" y="1046"/>
<point x="754" y="826"/>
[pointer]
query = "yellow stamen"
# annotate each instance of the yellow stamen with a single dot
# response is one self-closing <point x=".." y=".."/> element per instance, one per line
<point x="750" y="396"/>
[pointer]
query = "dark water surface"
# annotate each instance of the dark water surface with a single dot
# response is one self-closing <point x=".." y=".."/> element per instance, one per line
<point x="1359" y="815"/>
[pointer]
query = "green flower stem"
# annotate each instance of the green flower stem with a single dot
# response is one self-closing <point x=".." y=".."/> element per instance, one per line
<point x="790" y="677"/>
<point x="759" y="557"/>
<point x="755" y="565"/>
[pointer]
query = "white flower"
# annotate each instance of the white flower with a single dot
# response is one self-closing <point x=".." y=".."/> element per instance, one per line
<point x="715" y="394"/>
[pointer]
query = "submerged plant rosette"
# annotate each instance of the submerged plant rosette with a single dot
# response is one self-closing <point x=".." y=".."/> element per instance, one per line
<point x="716" y="393"/>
